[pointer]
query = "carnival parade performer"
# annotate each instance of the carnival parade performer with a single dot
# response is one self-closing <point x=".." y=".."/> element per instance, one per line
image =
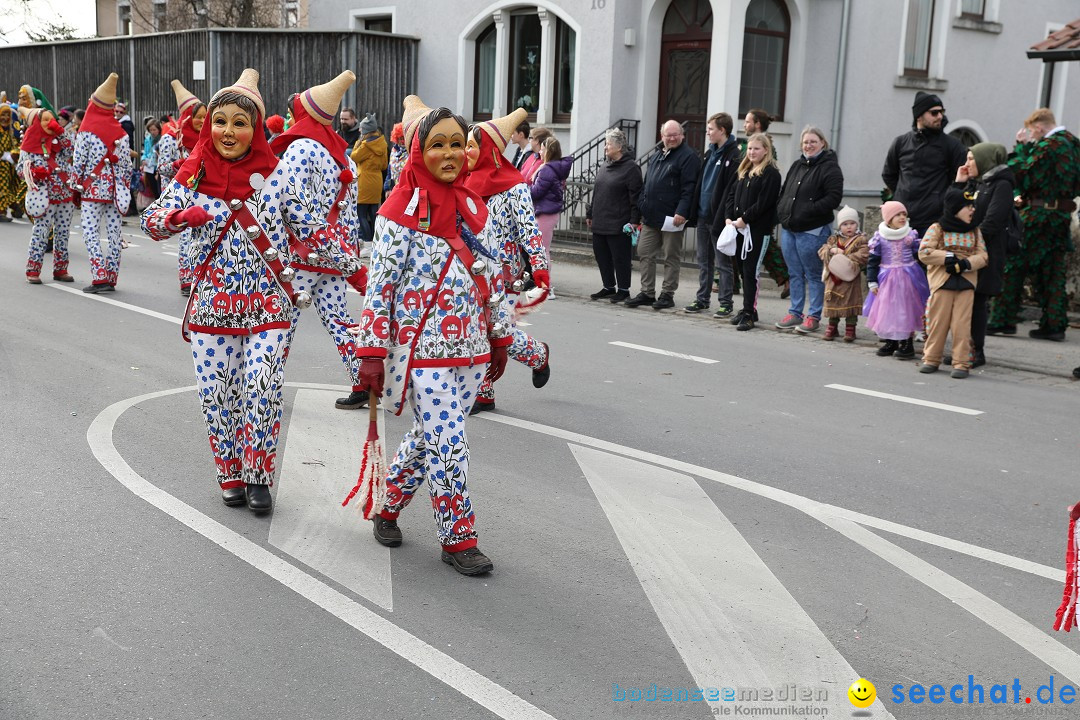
<point x="435" y="311"/>
<point x="512" y="228"/>
<point x="45" y="163"/>
<point x="237" y="197"/>
<point x="101" y="175"/>
<point x="11" y="187"/>
<point x="321" y="166"/>
<point x="173" y="149"/>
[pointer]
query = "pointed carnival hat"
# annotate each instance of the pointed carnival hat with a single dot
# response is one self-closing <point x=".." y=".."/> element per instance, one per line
<point x="322" y="101"/>
<point x="500" y="129"/>
<point x="415" y="111"/>
<point x="184" y="97"/>
<point x="105" y="95"/>
<point x="248" y="86"/>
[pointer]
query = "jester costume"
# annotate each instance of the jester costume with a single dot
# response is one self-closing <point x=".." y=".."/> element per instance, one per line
<point x="176" y="143"/>
<point x="12" y="188"/>
<point x="45" y="164"/>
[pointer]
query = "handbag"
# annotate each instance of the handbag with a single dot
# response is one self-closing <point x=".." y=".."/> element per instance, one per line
<point x="726" y="242"/>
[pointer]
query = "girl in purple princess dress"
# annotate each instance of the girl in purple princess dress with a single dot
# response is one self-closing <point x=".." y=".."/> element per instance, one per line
<point x="898" y="288"/>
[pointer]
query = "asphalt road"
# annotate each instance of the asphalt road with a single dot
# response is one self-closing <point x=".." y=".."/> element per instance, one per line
<point x="727" y="519"/>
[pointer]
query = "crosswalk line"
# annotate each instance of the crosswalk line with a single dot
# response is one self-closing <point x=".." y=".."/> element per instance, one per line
<point x="320" y="465"/>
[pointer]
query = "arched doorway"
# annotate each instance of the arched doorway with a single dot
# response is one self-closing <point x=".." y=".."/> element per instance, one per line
<point x="684" y="68"/>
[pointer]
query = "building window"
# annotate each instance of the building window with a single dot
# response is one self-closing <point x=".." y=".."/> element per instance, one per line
<point x="565" y="62"/>
<point x="917" y="39"/>
<point x="765" y="57"/>
<point x="291" y="16"/>
<point x="525" y="33"/>
<point x="124" y="19"/>
<point x="379" y="24"/>
<point x="974" y="9"/>
<point x="160" y="17"/>
<point x="967" y="136"/>
<point x="484" y="83"/>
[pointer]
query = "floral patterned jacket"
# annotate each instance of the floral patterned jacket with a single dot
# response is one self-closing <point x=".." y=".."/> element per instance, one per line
<point x="512" y="226"/>
<point x="100" y="185"/>
<point x="168" y="152"/>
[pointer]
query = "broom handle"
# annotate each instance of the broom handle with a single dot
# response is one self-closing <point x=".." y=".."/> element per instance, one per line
<point x="373" y="407"/>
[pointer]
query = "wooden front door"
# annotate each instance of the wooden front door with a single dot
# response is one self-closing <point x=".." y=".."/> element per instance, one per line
<point x="685" y="49"/>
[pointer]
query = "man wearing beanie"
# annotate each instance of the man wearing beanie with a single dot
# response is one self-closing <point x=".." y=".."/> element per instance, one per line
<point x="922" y="163"/>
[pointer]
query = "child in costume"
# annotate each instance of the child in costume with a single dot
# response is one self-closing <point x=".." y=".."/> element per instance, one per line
<point x="101" y="175"/>
<point x="844" y="298"/>
<point x="435" y="308"/>
<point x="323" y="169"/>
<point x="953" y="251"/>
<point x="513" y="230"/>
<point x="898" y="289"/>
<point x="45" y="163"/>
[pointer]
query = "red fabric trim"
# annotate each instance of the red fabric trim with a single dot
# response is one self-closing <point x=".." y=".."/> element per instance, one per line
<point x="282" y="325"/>
<point x="371" y="352"/>
<point x="450" y="362"/>
<point x="387" y="515"/>
<point x="358" y="388"/>
<point x="231" y="484"/>
<point x="501" y="342"/>
<point x="103" y="123"/>
<point x="458" y="547"/>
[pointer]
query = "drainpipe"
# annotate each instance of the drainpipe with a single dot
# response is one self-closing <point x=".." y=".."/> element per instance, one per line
<point x="838" y="97"/>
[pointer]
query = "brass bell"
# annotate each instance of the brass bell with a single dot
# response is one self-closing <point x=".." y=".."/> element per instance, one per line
<point x="496" y="299"/>
<point x="252" y="231"/>
<point x="343" y="204"/>
<point x="302" y="300"/>
<point x="236" y="204"/>
<point x="312" y="258"/>
<point x="525" y="276"/>
<point x="478" y="267"/>
<point x="271" y="254"/>
<point x="287" y="275"/>
<point x="518" y="286"/>
<point x="77" y="188"/>
<point x="498" y="329"/>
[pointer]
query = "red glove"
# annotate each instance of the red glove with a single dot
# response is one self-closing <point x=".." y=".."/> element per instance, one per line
<point x="358" y="280"/>
<point x="39" y="173"/>
<point x="542" y="278"/>
<point x="1074" y="511"/>
<point x="372" y="374"/>
<point x="55" y="128"/>
<point x="497" y="364"/>
<point x="193" y="216"/>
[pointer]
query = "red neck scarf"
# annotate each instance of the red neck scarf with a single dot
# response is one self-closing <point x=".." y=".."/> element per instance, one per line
<point x="35" y="138"/>
<point x="305" y="126"/>
<point x="438" y="204"/>
<point x="101" y="122"/>
<point x="493" y="173"/>
<point x="207" y="172"/>
<point x="188" y="137"/>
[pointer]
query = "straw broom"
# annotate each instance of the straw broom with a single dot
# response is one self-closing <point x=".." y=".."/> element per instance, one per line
<point x="371" y="485"/>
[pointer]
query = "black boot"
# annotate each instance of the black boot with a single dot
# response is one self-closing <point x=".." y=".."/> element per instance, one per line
<point x="234" y="496"/>
<point x="357" y="399"/>
<point x="386" y="531"/>
<point x="541" y="376"/>
<point x="468" y="562"/>
<point x="906" y="351"/>
<point x="888" y="348"/>
<point x="258" y="498"/>
<point x="482" y="406"/>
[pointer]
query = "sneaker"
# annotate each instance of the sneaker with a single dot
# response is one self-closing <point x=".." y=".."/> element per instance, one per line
<point x="927" y="369"/>
<point x="746" y="322"/>
<point x="696" y="306"/>
<point x="888" y="348"/>
<point x="602" y="293"/>
<point x="1041" y="333"/>
<point x="94" y="289"/>
<point x="790" y="321"/>
<point x="665" y="301"/>
<point x="386" y="531"/>
<point x="640" y="299"/>
<point x="738" y="317"/>
<point x="811" y="324"/>
<point x="724" y="311"/>
<point x="620" y="296"/>
<point x="831" y="332"/>
<point x="1003" y="329"/>
<point x="959" y="374"/>
<point x="541" y="376"/>
<point x="469" y="562"/>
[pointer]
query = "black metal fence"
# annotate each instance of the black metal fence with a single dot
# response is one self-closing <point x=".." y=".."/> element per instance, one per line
<point x="288" y="61"/>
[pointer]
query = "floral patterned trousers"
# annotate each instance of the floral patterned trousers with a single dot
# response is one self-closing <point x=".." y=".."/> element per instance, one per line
<point x="185" y="268"/>
<point x="240" y="379"/>
<point x="329" y="301"/>
<point x="103" y="246"/>
<point x="436" y="450"/>
<point x="58" y="219"/>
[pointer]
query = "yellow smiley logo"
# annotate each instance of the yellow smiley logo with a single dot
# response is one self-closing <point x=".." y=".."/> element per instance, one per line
<point x="862" y="693"/>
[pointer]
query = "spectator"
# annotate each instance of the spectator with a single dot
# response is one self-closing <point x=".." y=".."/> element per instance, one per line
<point x="151" y="188"/>
<point x="898" y="288"/>
<point x="812" y="189"/>
<point x="717" y="172"/>
<point x="668" y="194"/>
<point x="398" y="155"/>
<point x="349" y="129"/>
<point x="548" y="189"/>
<point x="988" y="179"/>
<point x="520" y="138"/>
<point x="1047" y="167"/>
<point x="750" y="206"/>
<point x="844" y="295"/>
<point x="921" y="163"/>
<point x="531" y="164"/>
<point x="370" y="156"/>
<point x="121" y="114"/>
<point x="612" y="210"/>
<point x="758" y="120"/>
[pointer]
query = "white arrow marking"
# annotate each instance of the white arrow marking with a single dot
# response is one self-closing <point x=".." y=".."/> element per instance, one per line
<point x="321" y="462"/>
<point x="731" y="619"/>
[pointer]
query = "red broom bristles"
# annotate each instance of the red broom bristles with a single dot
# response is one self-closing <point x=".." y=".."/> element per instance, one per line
<point x="1066" y="613"/>
<point x="371" y="483"/>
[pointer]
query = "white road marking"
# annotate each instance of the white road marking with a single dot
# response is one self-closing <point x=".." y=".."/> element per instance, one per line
<point x="811" y="507"/>
<point x="166" y="252"/>
<point x="669" y="353"/>
<point x="732" y="621"/>
<point x="110" y="301"/>
<point x="322" y="456"/>
<point x="436" y="663"/>
<point x="903" y="399"/>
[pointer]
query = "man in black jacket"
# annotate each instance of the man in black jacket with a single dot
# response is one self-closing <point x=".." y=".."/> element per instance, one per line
<point x="922" y="163"/>
<point x="349" y="130"/>
<point x="668" y="193"/>
<point x="717" y="172"/>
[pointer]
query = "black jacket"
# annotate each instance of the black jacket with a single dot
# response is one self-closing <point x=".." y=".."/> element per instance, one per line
<point x="669" y="185"/>
<point x="812" y="189"/>
<point x="615" y="196"/>
<point x="727" y="162"/>
<point x="351" y="135"/>
<point x="993" y="208"/>
<point x="919" y="168"/>
<point x="753" y="198"/>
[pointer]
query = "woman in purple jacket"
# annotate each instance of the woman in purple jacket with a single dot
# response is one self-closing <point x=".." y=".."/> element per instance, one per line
<point x="547" y="189"/>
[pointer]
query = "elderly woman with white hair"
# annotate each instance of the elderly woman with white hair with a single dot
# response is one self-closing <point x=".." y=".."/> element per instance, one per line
<point x="613" y="216"/>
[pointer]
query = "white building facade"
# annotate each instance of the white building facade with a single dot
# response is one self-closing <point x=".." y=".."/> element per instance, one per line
<point x="849" y="67"/>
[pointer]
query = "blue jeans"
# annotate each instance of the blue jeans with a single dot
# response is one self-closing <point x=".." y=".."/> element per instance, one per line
<point x="801" y="255"/>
